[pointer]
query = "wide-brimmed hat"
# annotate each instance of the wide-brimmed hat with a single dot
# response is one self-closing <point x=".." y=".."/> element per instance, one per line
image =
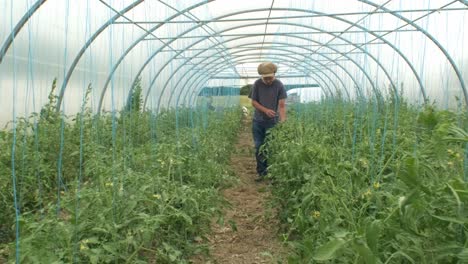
<point x="267" y="69"/>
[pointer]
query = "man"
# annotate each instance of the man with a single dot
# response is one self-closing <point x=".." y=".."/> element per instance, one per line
<point x="268" y="98"/>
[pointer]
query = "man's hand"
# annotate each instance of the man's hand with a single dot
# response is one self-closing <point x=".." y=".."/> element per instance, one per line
<point x="270" y="113"/>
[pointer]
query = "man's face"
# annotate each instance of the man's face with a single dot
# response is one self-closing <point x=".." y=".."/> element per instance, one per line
<point x="268" y="80"/>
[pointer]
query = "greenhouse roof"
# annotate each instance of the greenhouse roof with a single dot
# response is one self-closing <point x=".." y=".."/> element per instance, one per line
<point x="176" y="48"/>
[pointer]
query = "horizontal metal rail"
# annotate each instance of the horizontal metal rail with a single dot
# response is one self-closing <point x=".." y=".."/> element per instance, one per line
<point x="292" y="17"/>
<point x="288" y="34"/>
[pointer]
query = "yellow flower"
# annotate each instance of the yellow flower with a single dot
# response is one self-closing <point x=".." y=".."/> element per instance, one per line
<point x="157" y="196"/>
<point x="83" y="245"/>
<point x="449" y="151"/>
<point x="364" y="163"/>
<point x="367" y="193"/>
<point x="457" y="155"/>
<point x="376" y="185"/>
<point x="109" y="184"/>
<point x="316" y="214"/>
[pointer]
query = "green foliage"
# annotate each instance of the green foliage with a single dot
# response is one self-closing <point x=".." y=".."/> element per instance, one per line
<point x="135" y="101"/>
<point x="371" y="182"/>
<point x="134" y="187"/>
<point x="246" y="89"/>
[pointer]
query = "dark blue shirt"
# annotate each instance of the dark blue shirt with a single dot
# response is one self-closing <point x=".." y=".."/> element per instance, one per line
<point x="268" y="96"/>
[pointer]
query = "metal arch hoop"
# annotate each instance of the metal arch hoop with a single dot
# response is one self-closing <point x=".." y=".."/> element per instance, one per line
<point x="195" y="91"/>
<point x="202" y="39"/>
<point x="85" y="47"/>
<point x="347" y="93"/>
<point x="201" y="79"/>
<point x="344" y="69"/>
<point x="302" y="10"/>
<point x="134" y="44"/>
<point x="213" y="70"/>
<point x="40" y="2"/>
<point x="246" y="60"/>
<point x="6" y="45"/>
<point x="336" y="88"/>
<point x="308" y="11"/>
<point x="368" y="77"/>
<point x="293" y="45"/>
<point x="214" y="66"/>
<point x="97" y="33"/>
<point x="428" y="35"/>
<point x="311" y="40"/>
<point x="198" y="83"/>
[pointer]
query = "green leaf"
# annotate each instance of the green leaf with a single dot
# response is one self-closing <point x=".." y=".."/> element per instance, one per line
<point x="463" y="255"/>
<point x="410" y="175"/>
<point x="365" y="253"/>
<point x="341" y="233"/>
<point x="372" y="235"/>
<point x="329" y="250"/>
<point x="460" y="221"/>
<point x="404" y="201"/>
<point x="109" y="249"/>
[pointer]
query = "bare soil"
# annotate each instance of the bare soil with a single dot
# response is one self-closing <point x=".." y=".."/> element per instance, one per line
<point x="250" y="231"/>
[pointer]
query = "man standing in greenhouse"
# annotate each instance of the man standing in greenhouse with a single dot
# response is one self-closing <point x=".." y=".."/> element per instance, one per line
<point x="268" y="98"/>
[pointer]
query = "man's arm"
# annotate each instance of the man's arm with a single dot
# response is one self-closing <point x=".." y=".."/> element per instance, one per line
<point x="282" y="109"/>
<point x="261" y="108"/>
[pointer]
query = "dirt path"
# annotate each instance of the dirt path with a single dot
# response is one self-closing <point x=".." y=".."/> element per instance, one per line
<point x="250" y="232"/>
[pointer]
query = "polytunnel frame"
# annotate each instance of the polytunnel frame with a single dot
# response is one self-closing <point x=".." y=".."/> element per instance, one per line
<point x="182" y="65"/>
<point x="312" y="77"/>
<point x="292" y="65"/>
<point x="368" y="53"/>
<point x="101" y="29"/>
<point x="343" y="20"/>
<point x="195" y="90"/>
<point x="321" y="54"/>
<point x="39" y="3"/>
<point x="363" y="28"/>
<point x="299" y="10"/>
<point x="295" y="9"/>
<point x="434" y="40"/>
<point x="209" y="36"/>
<point x="293" y="24"/>
<point x="6" y="45"/>
<point x="195" y="19"/>
<point x="214" y="70"/>
<point x="343" y="68"/>
<point x="199" y="84"/>
<point x="214" y="65"/>
<point x="183" y="12"/>
<point x="289" y="62"/>
<point x="138" y="41"/>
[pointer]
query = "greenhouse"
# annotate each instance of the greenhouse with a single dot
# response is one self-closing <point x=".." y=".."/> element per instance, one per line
<point x="130" y="131"/>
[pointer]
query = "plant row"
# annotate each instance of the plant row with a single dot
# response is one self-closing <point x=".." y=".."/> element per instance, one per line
<point x="121" y="187"/>
<point x="377" y="181"/>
